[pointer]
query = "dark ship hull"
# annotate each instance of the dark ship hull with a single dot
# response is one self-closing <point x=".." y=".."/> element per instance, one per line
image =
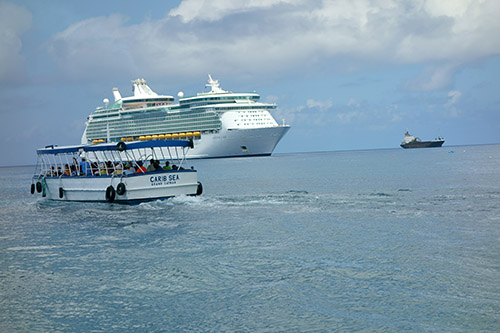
<point x="423" y="144"/>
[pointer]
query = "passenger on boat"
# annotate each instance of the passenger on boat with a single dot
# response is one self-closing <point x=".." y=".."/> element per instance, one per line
<point x="102" y="169"/>
<point x="118" y="169"/>
<point x="157" y="165"/>
<point x="85" y="168"/>
<point x="110" y="167"/>
<point x="151" y="166"/>
<point x="66" y="170"/>
<point x="167" y="166"/>
<point x="128" y="170"/>
<point x="140" y="168"/>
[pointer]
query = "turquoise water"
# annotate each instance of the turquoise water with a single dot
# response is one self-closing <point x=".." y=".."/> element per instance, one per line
<point x="379" y="240"/>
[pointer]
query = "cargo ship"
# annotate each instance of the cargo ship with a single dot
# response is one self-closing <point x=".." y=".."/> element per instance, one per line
<point x="409" y="141"/>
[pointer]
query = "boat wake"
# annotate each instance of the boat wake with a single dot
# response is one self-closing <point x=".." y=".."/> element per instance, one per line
<point x="397" y="204"/>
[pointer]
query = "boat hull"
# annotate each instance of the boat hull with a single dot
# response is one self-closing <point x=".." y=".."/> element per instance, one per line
<point x="233" y="143"/>
<point x="423" y="144"/>
<point x="138" y="187"/>
<point x="238" y="142"/>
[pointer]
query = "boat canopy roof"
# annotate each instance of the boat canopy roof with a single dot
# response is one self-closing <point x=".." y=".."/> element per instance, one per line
<point x="114" y="146"/>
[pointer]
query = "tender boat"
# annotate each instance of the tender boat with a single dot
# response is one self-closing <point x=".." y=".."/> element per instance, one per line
<point x="409" y="141"/>
<point x="115" y="172"/>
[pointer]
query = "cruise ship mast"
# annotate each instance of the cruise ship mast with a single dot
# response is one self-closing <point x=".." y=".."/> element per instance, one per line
<point x="215" y="86"/>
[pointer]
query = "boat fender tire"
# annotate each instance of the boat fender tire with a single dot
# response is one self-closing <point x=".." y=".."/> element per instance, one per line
<point x="110" y="193"/>
<point x="32" y="188"/>
<point x="121" y="146"/>
<point x="61" y="192"/>
<point x="121" y="189"/>
<point x="199" y="190"/>
<point x="39" y="187"/>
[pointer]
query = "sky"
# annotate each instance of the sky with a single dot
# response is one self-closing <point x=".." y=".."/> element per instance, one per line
<point x="345" y="74"/>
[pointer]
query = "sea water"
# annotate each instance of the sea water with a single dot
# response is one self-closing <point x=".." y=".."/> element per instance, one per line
<point x="377" y="240"/>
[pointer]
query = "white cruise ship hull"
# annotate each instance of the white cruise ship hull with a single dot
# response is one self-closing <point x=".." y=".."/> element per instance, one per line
<point x="233" y="143"/>
<point x="238" y="142"/>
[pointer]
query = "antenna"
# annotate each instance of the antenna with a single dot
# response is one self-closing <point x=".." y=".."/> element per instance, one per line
<point x="214" y="85"/>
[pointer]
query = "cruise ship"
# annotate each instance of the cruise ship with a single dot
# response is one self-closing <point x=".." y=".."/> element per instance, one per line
<point x="221" y="123"/>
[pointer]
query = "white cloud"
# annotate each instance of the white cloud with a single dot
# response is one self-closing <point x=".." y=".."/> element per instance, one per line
<point x="214" y="10"/>
<point x="433" y="77"/>
<point x="313" y="112"/>
<point x="97" y="46"/>
<point x="283" y="36"/>
<point x="394" y="114"/>
<point x="14" y="22"/>
<point x="454" y="96"/>
<point x="451" y="106"/>
<point x="322" y="113"/>
<point x="353" y="103"/>
<point x="311" y="103"/>
<point x="347" y="117"/>
<point x="451" y="8"/>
